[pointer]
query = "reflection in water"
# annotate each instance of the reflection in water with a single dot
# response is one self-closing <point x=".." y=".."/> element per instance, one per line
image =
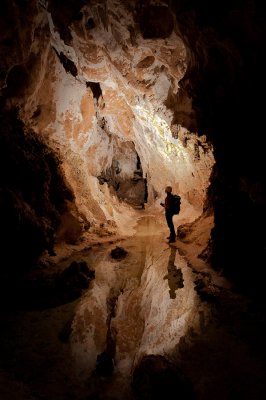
<point x="174" y="276"/>
<point x="127" y="312"/>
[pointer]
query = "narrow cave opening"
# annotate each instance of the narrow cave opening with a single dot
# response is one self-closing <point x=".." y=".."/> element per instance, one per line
<point x="131" y="188"/>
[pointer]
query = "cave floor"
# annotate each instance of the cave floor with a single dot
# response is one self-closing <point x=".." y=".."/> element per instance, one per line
<point x="220" y="346"/>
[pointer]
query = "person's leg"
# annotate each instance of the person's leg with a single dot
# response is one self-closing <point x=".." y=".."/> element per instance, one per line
<point x="169" y="220"/>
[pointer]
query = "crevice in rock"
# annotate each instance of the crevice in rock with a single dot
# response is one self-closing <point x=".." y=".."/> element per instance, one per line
<point x="96" y="89"/>
<point x="68" y="64"/>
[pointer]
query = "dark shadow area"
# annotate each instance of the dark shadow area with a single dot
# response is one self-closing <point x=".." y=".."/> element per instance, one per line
<point x="33" y="196"/>
<point x="225" y="80"/>
<point x="156" y="378"/>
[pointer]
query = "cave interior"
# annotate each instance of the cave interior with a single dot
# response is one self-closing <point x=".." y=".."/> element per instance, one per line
<point x="104" y="103"/>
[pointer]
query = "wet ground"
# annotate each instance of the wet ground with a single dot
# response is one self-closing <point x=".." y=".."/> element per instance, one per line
<point x="149" y="302"/>
<point x="141" y="304"/>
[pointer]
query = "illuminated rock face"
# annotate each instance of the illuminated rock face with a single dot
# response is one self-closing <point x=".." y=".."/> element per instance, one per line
<point x="104" y="97"/>
<point x="94" y="80"/>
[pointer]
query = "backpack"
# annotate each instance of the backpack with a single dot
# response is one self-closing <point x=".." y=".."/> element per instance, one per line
<point x="176" y="204"/>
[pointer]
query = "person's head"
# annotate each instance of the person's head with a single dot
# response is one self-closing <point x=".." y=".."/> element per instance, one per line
<point x="168" y="189"/>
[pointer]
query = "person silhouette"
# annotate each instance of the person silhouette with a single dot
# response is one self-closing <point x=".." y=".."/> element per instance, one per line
<point x="169" y="213"/>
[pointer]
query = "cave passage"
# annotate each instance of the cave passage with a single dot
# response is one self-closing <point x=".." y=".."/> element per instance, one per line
<point x="103" y="105"/>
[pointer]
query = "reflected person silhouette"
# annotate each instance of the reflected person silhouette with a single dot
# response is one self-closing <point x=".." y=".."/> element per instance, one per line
<point x="174" y="276"/>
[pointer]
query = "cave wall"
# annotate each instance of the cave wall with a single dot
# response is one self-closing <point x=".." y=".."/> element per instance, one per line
<point x="34" y="196"/>
<point x="89" y="77"/>
<point x="94" y="79"/>
<point x="226" y="74"/>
